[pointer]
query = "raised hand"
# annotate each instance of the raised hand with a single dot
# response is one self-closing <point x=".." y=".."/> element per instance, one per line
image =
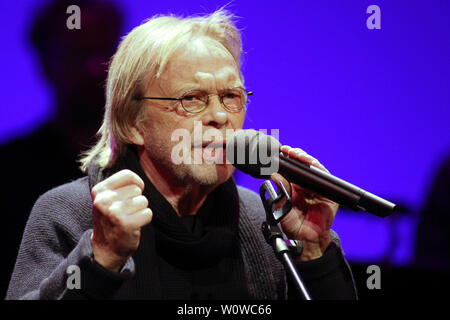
<point x="311" y="216"/>
<point x="119" y="212"/>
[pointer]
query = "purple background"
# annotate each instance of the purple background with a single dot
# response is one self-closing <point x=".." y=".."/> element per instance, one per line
<point x="371" y="105"/>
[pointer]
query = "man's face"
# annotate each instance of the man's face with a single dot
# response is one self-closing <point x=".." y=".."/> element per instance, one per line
<point x="206" y="66"/>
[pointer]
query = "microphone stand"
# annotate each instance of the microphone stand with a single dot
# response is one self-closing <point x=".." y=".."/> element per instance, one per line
<point x="273" y="235"/>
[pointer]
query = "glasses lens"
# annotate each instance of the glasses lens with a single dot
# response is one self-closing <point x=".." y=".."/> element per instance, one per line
<point x="235" y="99"/>
<point x="194" y="101"/>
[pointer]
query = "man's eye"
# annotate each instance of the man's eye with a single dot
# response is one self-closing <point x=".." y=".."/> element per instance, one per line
<point x="193" y="96"/>
<point x="189" y="98"/>
<point x="234" y="93"/>
<point x="231" y="95"/>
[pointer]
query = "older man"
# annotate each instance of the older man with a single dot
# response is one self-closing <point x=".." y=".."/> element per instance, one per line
<point x="141" y="225"/>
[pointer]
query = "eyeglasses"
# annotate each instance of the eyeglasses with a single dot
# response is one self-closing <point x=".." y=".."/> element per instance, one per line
<point x="195" y="101"/>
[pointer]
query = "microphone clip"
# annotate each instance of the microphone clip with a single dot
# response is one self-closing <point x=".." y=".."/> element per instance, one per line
<point x="272" y="202"/>
<point x="284" y="250"/>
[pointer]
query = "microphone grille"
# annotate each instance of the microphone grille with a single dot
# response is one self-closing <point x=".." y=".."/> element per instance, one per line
<point x="253" y="152"/>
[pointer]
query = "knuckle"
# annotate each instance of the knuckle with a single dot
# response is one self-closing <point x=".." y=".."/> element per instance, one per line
<point x="99" y="203"/>
<point x="114" y="209"/>
<point x="136" y="190"/>
<point x="122" y="173"/>
<point x="96" y="190"/>
<point x="101" y="200"/>
<point x="132" y="178"/>
<point x="149" y="215"/>
<point x="128" y="174"/>
<point x="117" y="220"/>
<point x="143" y="202"/>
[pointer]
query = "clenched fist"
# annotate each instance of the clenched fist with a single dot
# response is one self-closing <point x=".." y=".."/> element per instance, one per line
<point x="119" y="212"/>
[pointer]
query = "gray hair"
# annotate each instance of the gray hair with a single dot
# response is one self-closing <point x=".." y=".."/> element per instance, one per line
<point x="139" y="60"/>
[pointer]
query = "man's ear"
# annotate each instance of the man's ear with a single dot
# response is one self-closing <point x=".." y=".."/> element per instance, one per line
<point x="136" y="136"/>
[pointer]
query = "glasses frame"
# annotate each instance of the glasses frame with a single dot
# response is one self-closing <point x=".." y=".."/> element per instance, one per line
<point x="220" y="95"/>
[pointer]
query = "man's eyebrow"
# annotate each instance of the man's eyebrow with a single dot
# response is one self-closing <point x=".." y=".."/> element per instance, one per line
<point x="185" y="87"/>
<point x="228" y="81"/>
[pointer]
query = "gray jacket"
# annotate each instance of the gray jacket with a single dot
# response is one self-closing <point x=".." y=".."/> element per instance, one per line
<point x="57" y="236"/>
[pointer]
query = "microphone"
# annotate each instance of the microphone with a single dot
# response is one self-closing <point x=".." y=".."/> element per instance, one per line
<point x="258" y="155"/>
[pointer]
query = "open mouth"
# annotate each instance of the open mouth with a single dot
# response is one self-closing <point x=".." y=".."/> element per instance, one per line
<point x="212" y="151"/>
<point x="216" y="144"/>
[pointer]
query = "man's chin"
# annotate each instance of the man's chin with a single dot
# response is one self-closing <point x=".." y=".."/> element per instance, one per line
<point x="211" y="174"/>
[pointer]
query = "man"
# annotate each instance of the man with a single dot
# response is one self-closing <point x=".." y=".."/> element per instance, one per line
<point x="141" y="226"/>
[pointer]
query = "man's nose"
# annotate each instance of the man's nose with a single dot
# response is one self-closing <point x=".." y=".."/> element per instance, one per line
<point x="215" y="114"/>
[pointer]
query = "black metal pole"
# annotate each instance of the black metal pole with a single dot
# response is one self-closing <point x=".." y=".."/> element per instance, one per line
<point x="282" y="252"/>
<point x="273" y="235"/>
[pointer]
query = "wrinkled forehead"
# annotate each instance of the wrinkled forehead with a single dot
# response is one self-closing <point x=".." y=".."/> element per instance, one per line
<point x="206" y="46"/>
<point x="204" y="63"/>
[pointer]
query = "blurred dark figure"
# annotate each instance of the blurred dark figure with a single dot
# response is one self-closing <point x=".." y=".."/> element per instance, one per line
<point x="433" y="233"/>
<point x="75" y="64"/>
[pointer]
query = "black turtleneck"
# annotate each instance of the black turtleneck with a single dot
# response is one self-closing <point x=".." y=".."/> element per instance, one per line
<point x="194" y="257"/>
